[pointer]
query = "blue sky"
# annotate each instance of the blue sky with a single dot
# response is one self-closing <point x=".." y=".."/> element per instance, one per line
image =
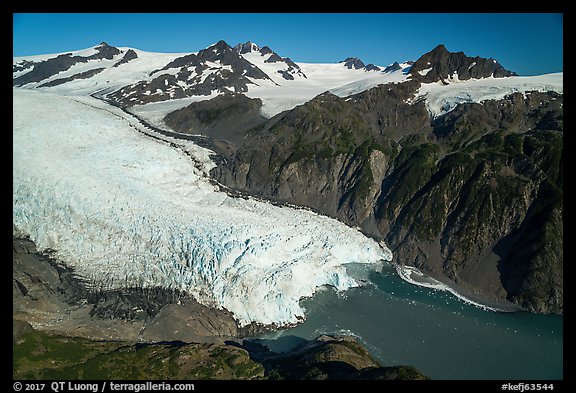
<point x="529" y="44"/>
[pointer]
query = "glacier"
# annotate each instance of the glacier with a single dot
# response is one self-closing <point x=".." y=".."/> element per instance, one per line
<point x="124" y="209"/>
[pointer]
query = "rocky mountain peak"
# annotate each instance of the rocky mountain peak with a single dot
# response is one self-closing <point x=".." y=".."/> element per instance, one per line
<point x="440" y="49"/>
<point x="353" y="63"/>
<point x="393" y="67"/>
<point x="442" y="65"/>
<point x="219" y="46"/>
<point x="372" y="67"/>
<point x="357" y="64"/>
<point x="197" y="75"/>
<point x="105" y="51"/>
<point x="291" y="69"/>
<point x="265" y="50"/>
<point x="247" y="47"/>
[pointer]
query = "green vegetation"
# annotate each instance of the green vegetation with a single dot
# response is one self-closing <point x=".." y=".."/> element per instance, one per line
<point x="476" y="192"/>
<point x="415" y="165"/>
<point x="42" y="356"/>
<point x="37" y="355"/>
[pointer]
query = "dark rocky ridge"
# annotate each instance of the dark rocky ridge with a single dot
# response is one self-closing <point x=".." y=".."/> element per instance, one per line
<point x="81" y="75"/>
<point x="47" y="68"/>
<point x="393" y="67"/>
<point x="23" y="65"/>
<point x="372" y="67"/>
<point x="353" y="62"/>
<point x="473" y="198"/>
<point x="222" y="52"/>
<point x="444" y="64"/>
<point x="249" y="46"/>
<point x="128" y="56"/>
<point x="226" y="117"/>
<point x="357" y="64"/>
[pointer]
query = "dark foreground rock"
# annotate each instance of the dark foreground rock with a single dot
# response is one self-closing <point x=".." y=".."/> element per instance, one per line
<point x="334" y="357"/>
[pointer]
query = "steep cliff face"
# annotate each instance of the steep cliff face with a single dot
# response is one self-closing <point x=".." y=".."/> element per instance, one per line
<point x="480" y="218"/>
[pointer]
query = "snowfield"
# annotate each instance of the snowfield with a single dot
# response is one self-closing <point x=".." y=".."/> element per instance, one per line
<point x="281" y="95"/>
<point x="124" y="209"/>
<point x="321" y="77"/>
<point x="441" y="99"/>
<point x="110" y="79"/>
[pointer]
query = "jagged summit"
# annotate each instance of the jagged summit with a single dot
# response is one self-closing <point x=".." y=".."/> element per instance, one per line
<point x="353" y="62"/>
<point x="246" y="47"/>
<point x="217" y="68"/>
<point x="393" y="67"/>
<point x="106" y="51"/>
<point x="442" y="65"/>
<point x="357" y="64"/>
<point x="258" y="55"/>
<point x="372" y="67"/>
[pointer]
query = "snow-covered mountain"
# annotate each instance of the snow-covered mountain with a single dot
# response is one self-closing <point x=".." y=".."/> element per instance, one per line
<point x="83" y="72"/>
<point x="269" y="61"/>
<point x="136" y="78"/>
<point x="217" y="68"/>
<point x="155" y="83"/>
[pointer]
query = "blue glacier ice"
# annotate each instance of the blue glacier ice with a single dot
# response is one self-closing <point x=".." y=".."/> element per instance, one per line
<point x="125" y="209"/>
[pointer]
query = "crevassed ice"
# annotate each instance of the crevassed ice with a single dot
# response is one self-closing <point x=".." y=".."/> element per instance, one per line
<point x="124" y="209"/>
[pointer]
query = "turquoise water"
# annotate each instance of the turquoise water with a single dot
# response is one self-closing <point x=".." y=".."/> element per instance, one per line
<point x="434" y="331"/>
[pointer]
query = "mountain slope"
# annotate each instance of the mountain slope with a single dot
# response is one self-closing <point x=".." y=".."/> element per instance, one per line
<point x="135" y="78"/>
<point x="75" y="73"/>
<point x="266" y="59"/>
<point x="46" y="68"/>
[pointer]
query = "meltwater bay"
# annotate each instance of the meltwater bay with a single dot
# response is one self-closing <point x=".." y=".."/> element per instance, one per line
<point x="433" y="330"/>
